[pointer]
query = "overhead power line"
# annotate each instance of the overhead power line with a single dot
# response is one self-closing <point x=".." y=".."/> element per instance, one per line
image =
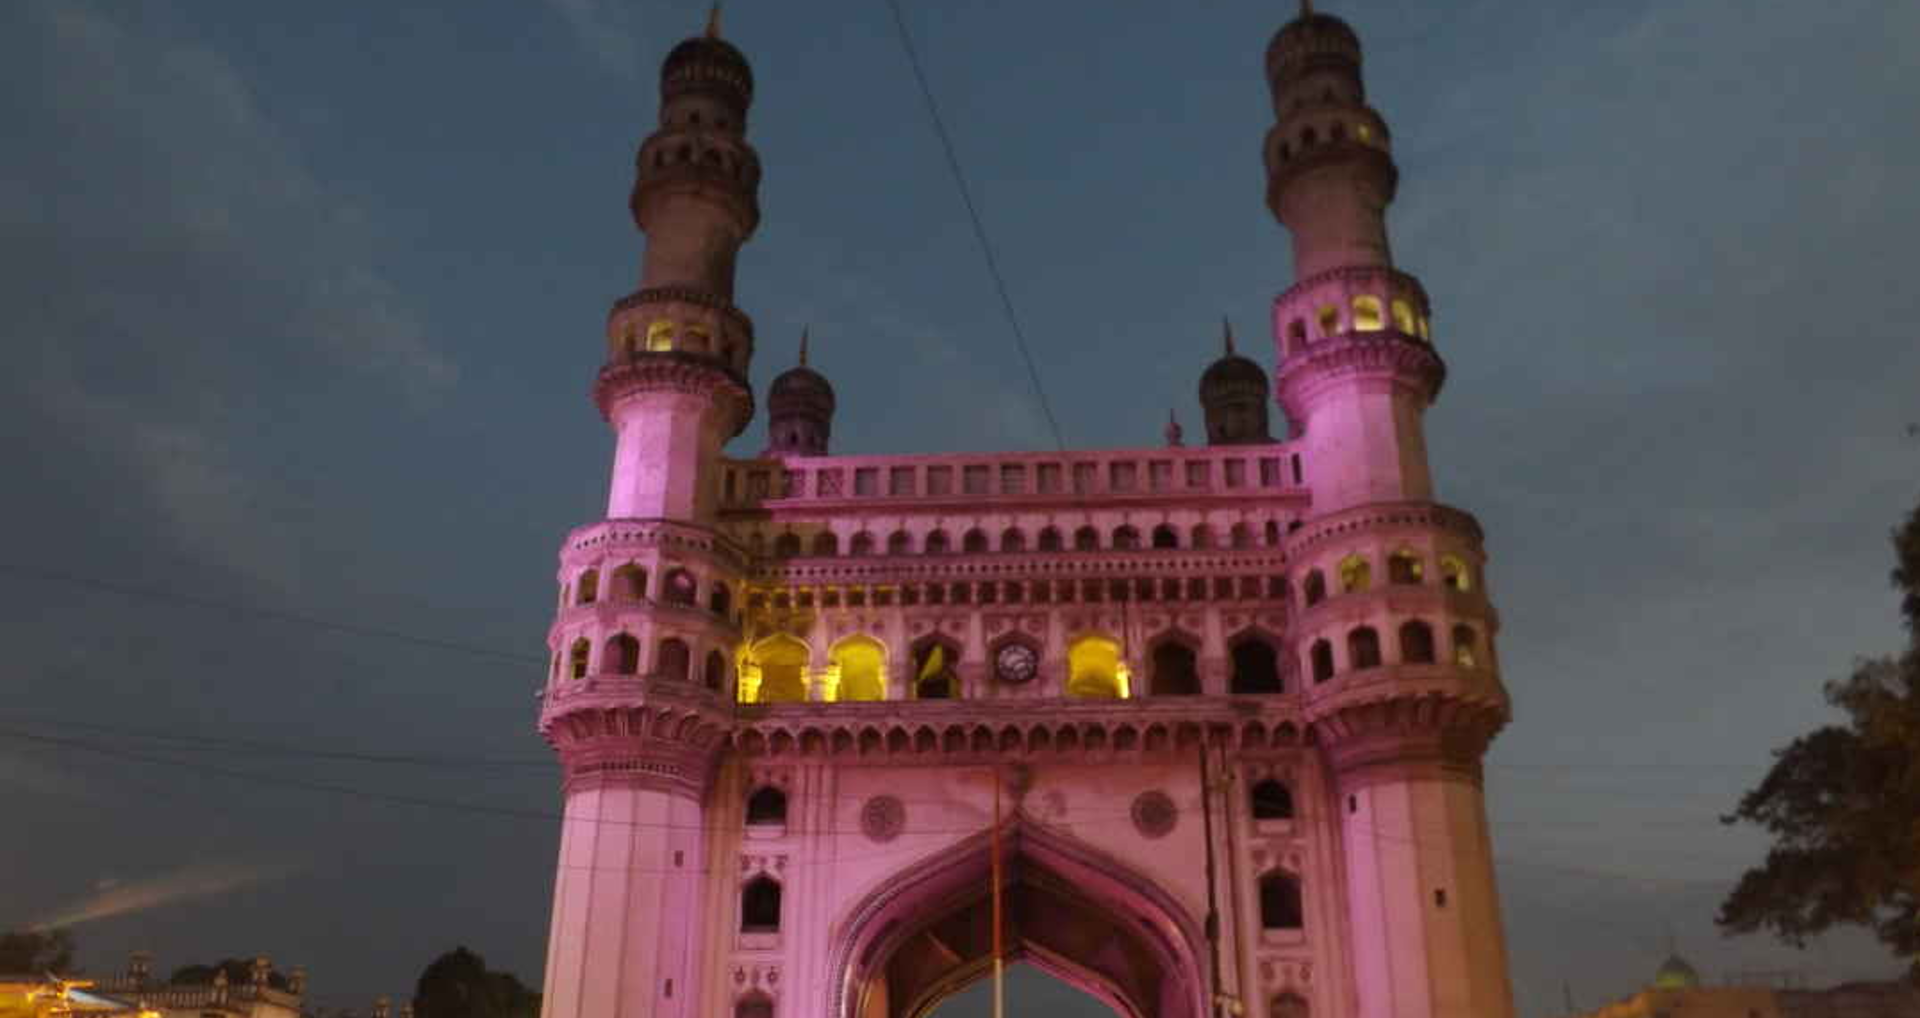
<point x="297" y="618"/>
<point x="973" y="215"/>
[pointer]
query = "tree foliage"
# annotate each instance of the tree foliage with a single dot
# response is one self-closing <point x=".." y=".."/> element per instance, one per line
<point x="35" y="952"/>
<point x="239" y="972"/>
<point x="1843" y="804"/>
<point x="458" y="984"/>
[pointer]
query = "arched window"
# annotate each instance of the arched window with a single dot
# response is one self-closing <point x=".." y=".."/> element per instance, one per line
<point x="1284" y="1005"/>
<point x="935" y="671"/>
<point x="1315" y="589"/>
<point x="660" y="333"/>
<point x="1271" y="800"/>
<point x="1322" y="660"/>
<point x="577" y="658"/>
<point x="1466" y="649"/>
<point x="899" y="543"/>
<point x="1363" y="648"/>
<point x="1201" y="537"/>
<point x="1356" y="574"/>
<point x="787" y="545"/>
<point x="782" y="661"/>
<point x="1165" y="537"/>
<point x="1454" y="574"/>
<point x="1126" y="538"/>
<point x="629" y="583"/>
<point x="1094" y="670"/>
<point x="716" y="673"/>
<point x="1416" y="642"/>
<point x="826" y="544"/>
<point x="760" y="905"/>
<point x="1329" y="320"/>
<point x="679" y="588"/>
<point x="1256" y="668"/>
<point x="1086" y="539"/>
<point x="720" y="600"/>
<point x="675" y="660"/>
<point x="937" y="543"/>
<point x="1366" y="314"/>
<point x="1296" y="334"/>
<point x="621" y="655"/>
<point x="1403" y="318"/>
<point x="975" y="542"/>
<point x="1273" y="533"/>
<point x="587" y="590"/>
<point x="767" y="805"/>
<point x="1241" y="536"/>
<point x="1013" y="539"/>
<point x="1405" y="567"/>
<point x="1280" y="901"/>
<point x="759" y="1005"/>
<point x="862" y="543"/>
<point x="863" y="668"/>
<point x="1175" y="670"/>
<point x="1050" y="540"/>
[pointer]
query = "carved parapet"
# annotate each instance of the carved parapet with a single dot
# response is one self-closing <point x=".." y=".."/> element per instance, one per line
<point x="656" y="733"/>
<point x="675" y="371"/>
<point x="1386" y="358"/>
<point x="1408" y="728"/>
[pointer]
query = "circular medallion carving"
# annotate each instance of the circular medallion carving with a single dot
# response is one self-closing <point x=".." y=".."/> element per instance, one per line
<point x="1016" y="663"/>
<point x="882" y="818"/>
<point x="1154" y="814"/>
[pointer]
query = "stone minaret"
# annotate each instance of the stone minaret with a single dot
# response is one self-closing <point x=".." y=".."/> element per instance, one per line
<point x="1404" y="742"/>
<point x="647" y="621"/>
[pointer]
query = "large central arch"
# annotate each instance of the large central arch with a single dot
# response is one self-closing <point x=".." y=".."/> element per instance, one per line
<point x="1071" y="911"/>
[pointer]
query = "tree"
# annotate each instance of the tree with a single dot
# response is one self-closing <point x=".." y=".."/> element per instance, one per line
<point x="458" y="984"/>
<point x="1843" y="804"/>
<point x="34" y="952"/>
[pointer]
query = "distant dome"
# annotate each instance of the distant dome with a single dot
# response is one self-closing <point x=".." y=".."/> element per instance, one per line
<point x="1230" y="374"/>
<point x="708" y="58"/>
<point x="1309" y="36"/>
<point x="800" y="389"/>
<point x="1676" y="974"/>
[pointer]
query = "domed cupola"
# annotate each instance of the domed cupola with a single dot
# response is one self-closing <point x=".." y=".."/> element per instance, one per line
<point x="1312" y="37"/>
<point x="800" y="406"/>
<point x="1233" y="396"/>
<point x="1676" y="974"/>
<point x="707" y="63"/>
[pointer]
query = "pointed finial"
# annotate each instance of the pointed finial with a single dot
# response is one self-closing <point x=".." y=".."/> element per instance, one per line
<point x="713" y="21"/>
<point x="1226" y="331"/>
<point x="804" y="329"/>
<point x="1174" y="433"/>
<point x="1306" y="8"/>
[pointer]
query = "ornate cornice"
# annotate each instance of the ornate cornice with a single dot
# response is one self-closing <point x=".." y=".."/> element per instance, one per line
<point x="1357" y="274"/>
<point x="634" y="730"/>
<point x="1358" y="356"/>
<point x="1350" y="155"/>
<point x="589" y="542"/>
<point x="681" y="295"/>
<point x="1348" y="523"/>
<point x="1399" y="733"/>
<point x="674" y="371"/>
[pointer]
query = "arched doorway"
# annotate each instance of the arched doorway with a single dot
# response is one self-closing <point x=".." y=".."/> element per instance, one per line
<point x="1071" y="911"/>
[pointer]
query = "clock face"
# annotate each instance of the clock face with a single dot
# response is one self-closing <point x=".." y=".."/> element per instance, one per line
<point x="1015" y="663"/>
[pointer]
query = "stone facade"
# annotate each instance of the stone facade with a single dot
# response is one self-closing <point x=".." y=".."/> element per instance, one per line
<point x="1231" y="700"/>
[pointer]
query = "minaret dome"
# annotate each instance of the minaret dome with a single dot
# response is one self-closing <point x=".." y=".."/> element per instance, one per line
<point x="800" y="406"/>
<point x="1233" y="397"/>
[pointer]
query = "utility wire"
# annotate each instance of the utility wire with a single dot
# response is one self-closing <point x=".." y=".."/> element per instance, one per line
<point x="209" y="604"/>
<point x="973" y="215"/>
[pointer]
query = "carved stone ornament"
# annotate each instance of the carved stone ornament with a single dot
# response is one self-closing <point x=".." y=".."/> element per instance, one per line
<point x="882" y="818"/>
<point x="1154" y="814"/>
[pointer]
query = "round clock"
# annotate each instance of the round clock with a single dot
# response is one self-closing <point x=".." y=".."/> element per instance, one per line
<point x="1016" y="663"/>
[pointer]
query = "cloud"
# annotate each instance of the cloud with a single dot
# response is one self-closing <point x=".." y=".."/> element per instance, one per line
<point x="169" y="257"/>
<point x="606" y="29"/>
<point x="115" y="897"/>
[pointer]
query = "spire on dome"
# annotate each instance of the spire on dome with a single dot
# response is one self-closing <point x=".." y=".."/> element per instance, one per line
<point x="713" y="20"/>
<point x="1175" y="434"/>
<point x="1306" y="8"/>
<point x="804" y="329"/>
<point x="1226" y="332"/>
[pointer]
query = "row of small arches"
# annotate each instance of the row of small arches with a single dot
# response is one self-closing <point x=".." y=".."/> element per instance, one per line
<point x="1267" y="799"/>
<point x="628" y="583"/>
<point x="664" y="335"/>
<point x="1417" y="647"/>
<point x="1405" y="567"/>
<point x="685" y="154"/>
<point x="776" y="670"/>
<point x="620" y="655"/>
<point x="756" y="1004"/>
<point x="1367" y="314"/>
<point x="1065" y="591"/>
<point x="976" y="541"/>
<point x="1309" y="138"/>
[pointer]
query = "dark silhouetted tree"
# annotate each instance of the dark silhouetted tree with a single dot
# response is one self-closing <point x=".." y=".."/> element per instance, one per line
<point x="33" y="952"/>
<point x="1843" y="804"/>
<point x="459" y="985"/>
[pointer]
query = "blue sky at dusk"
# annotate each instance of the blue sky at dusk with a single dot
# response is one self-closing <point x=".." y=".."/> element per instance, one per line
<point x="301" y="302"/>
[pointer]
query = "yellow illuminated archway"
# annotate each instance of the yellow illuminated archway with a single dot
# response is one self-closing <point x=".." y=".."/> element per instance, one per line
<point x="1095" y="670"/>
<point x="861" y="664"/>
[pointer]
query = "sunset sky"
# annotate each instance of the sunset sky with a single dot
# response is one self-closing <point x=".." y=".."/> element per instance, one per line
<point x="300" y="303"/>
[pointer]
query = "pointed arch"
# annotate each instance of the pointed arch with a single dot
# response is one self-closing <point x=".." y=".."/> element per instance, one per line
<point x="936" y="668"/>
<point x="1050" y="539"/>
<point x="826" y="544"/>
<point x="1175" y="665"/>
<point x="1164" y="536"/>
<point x="621" y="655"/>
<point x="862" y="661"/>
<point x="974" y="541"/>
<point x="1095" y="669"/>
<point x="1013" y="539"/>
<point x="1256" y="664"/>
<point x="782" y="662"/>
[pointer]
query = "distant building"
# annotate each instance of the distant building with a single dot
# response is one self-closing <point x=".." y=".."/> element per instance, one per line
<point x="261" y="993"/>
<point x="1677" y="991"/>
